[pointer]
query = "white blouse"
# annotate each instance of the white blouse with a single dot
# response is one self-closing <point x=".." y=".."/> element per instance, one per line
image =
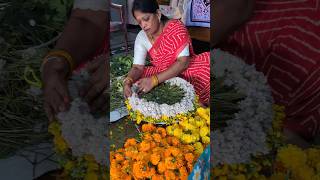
<point x="142" y="45"/>
<point x="96" y="5"/>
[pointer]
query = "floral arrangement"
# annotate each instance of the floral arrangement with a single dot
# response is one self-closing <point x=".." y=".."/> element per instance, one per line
<point x="80" y="138"/>
<point x="157" y="156"/>
<point x="245" y="134"/>
<point x="140" y="109"/>
<point x="251" y="145"/>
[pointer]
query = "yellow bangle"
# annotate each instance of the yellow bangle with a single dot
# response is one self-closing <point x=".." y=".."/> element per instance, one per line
<point x="155" y="80"/>
<point x="60" y="53"/>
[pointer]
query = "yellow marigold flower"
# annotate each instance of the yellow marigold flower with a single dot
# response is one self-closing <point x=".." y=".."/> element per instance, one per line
<point x="155" y="158"/>
<point x="148" y="127"/>
<point x="165" y="118"/>
<point x="313" y="156"/>
<point x="189" y="126"/>
<point x="61" y="145"/>
<point x="170" y="130"/>
<point x="139" y="118"/>
<point x="205" y="140"/>
<point x="203" y="113"/>
<point x="177" y="132"/>
<point x="198" y="148"/>
<point x="304" y="172"/>
<point x="69" y="165"/>
<point x="54" y="128"/>
<point x="187" y="138"/>
<point x="91" y="176"/>
<point x="292" y="157"/>
<point x="204" y="131"/>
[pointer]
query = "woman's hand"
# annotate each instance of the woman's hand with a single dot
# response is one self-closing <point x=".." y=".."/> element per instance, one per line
<point x="127" y="89"/>
<point x="95" y="92"/>
<point x="145" y="85"/>
<point x="55" y="78"/>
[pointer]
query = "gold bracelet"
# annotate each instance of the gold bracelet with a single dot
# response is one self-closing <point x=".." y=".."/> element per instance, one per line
<point x="60" y="53"/>
<point x="155" y="80"/>
<point x="128" y="79"/>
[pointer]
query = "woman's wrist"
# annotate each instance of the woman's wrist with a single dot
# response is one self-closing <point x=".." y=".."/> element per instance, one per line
<point x="55" y="64"/>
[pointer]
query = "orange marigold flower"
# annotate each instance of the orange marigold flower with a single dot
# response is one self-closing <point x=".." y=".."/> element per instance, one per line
<point x="190" y="166"/>
<point x="180" y="162"/>
<point x="170" y="163"/>
<point x="175" y="141"/>
<point x="188" y="148"/>
<point x="161" y="167"/>
<point x="150" y="172"/>
<point x="147" y="137"/>
<point x="189" y="157"/>
<point x="119" y="157"/>
<point x="175" y="151"/>
<point x="157" y="137"/>
<point x="183" y="173"/>
<point x="148" y="127"/>
<point x="162" y="131"/>
<point x="155" y="158"/>
<point x="144" y="146"/>
<point x="157" y="177"/>
<point x="137" y="169"/>
<point x="169" y="174"/>
<point x="153" y="144"/>
<point x="130" y="142"/>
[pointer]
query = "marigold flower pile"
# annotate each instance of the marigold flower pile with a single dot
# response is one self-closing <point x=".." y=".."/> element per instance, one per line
<point x="157" y="156"/>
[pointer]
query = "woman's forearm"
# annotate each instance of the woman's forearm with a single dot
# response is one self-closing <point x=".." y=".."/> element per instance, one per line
<point x="136" y="72"/>
<point x="228" y="15"/>
<point x="177" y="68"/>
<point x="83" y="34"/>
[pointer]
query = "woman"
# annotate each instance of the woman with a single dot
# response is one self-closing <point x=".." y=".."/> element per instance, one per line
<point x="282" y="40"/>
<point x="169" y="46"/>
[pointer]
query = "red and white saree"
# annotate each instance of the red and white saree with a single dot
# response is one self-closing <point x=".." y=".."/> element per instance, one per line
<point x="164" y="53"/>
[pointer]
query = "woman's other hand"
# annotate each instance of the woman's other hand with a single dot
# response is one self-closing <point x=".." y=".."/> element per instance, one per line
<point x="55" y="78"/>
<point x="95" y="92"/>
<point x="145" y="85"/>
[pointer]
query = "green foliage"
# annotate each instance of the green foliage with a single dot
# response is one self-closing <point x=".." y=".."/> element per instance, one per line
<point x="32" y="22"/>
<point x="225" y="102"/>
<point x="165" y="94"/>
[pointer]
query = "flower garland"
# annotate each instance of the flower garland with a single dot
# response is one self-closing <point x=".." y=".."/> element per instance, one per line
<point x="140" y="109"/>
<point x="79" y="138"/>
<point x="157" y="156"/>
<point x="246" y="134"/>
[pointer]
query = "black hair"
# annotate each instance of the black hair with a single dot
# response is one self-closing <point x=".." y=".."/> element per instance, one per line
<point x="147" y="6"/>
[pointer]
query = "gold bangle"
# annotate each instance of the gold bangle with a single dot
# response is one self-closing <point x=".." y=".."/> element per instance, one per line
<point x="60" y="53"/>
<point x="128" y="79"/>
<point x="155" y="80"/>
